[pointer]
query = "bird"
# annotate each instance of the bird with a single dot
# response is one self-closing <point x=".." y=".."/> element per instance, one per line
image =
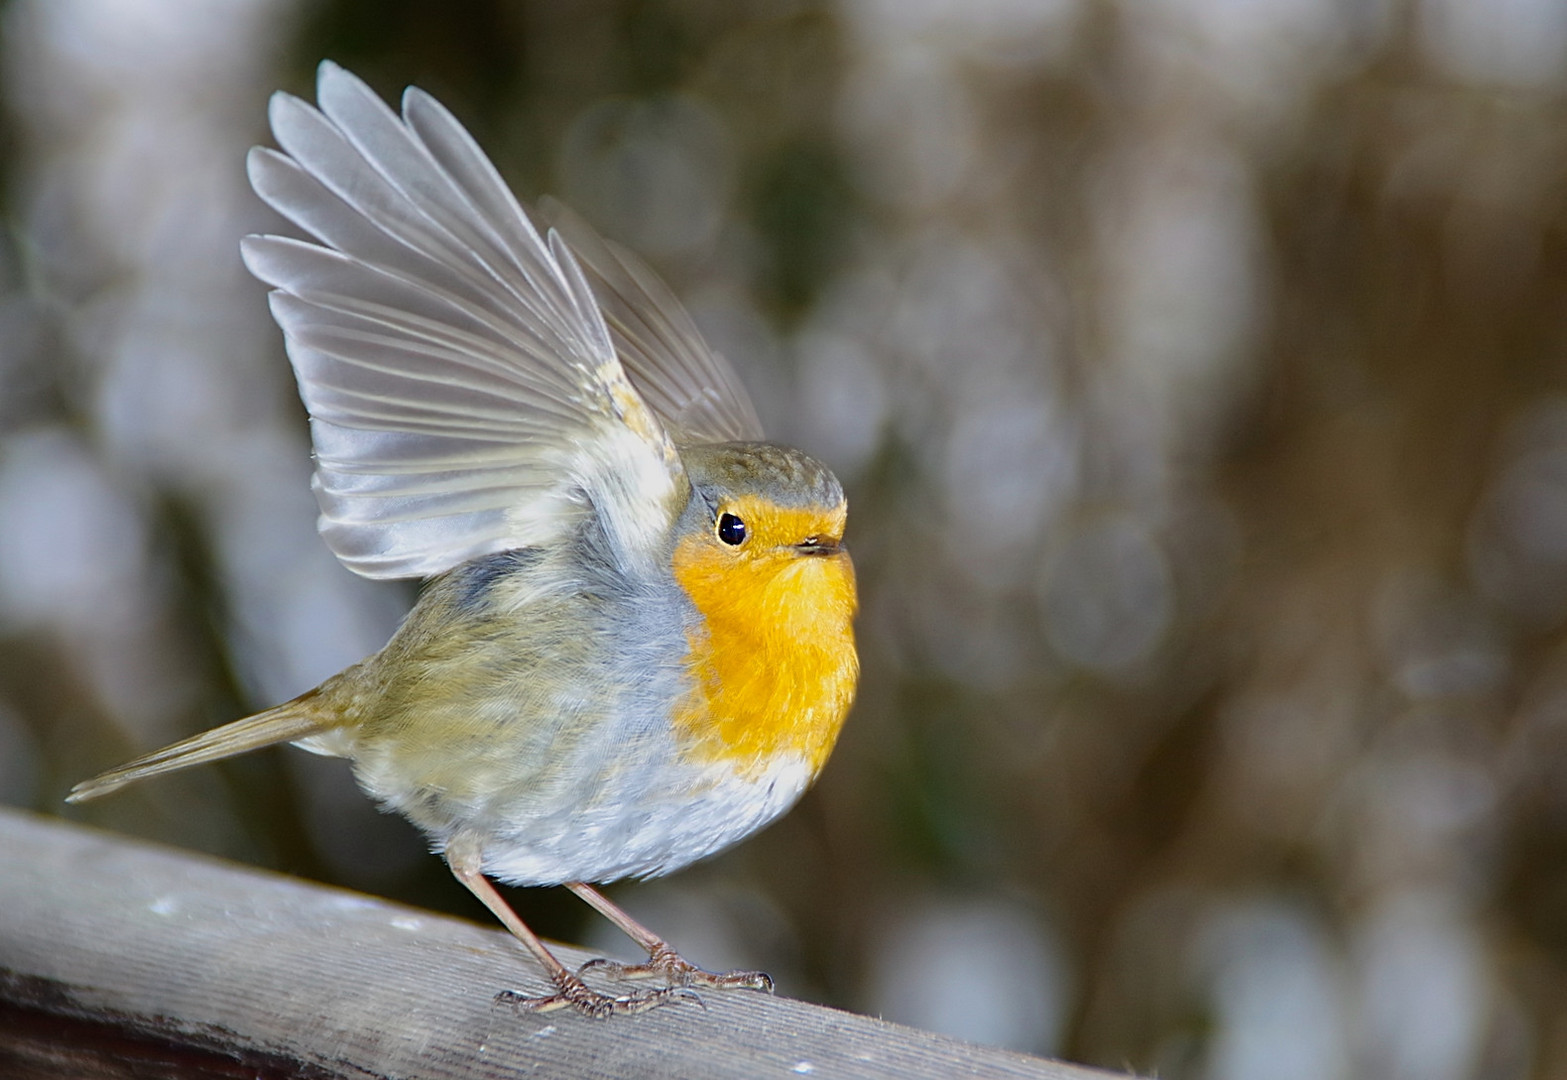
<point x="634" y="644"/>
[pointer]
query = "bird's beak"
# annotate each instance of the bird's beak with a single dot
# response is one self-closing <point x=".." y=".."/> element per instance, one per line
<point x="819" y="545"/>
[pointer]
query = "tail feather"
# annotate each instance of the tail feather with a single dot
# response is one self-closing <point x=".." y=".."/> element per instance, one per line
<point x="284" y="723"/>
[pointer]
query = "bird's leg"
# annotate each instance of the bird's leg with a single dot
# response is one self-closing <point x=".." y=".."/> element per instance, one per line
<point x="662" y="961"/>
<point x="465" y="858"/>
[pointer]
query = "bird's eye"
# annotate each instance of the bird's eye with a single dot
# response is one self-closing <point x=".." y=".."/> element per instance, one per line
<point x="731" y="530"/>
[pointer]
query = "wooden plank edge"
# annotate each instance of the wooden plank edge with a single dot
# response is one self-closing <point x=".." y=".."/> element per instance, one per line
<point x="132" y="941"/>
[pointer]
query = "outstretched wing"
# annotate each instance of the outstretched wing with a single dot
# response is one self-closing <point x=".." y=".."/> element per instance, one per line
<point x="691" y="388"/>
<point x="463" y="389"/>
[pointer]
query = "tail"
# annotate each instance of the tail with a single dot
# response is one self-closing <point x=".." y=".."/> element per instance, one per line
<point x="284" y="723"/>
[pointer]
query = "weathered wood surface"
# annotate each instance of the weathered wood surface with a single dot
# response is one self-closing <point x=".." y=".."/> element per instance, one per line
<point x="118" y="958"/>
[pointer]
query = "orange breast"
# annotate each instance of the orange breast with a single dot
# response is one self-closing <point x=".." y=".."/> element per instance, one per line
<point x="773" y="667"/>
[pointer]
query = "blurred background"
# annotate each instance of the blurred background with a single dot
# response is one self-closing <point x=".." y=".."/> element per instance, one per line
<point x="1195" y="368"/>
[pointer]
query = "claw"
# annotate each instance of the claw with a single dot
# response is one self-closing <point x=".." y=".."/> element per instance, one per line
<point x="571" y="992"/>
<point x="675" y="970"/>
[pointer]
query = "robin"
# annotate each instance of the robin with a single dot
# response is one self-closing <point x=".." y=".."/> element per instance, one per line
<point x="636" y="645"/>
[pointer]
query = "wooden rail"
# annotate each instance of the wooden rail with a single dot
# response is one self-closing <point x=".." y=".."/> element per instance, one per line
<point x="122" y="959"/>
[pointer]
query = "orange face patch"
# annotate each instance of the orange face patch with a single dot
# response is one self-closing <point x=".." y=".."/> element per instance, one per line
<point x="773" y="667"/>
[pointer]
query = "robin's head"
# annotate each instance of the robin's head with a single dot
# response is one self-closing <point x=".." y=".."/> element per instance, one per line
<point x="760" y="500"/>
<point x="762" y="537"/>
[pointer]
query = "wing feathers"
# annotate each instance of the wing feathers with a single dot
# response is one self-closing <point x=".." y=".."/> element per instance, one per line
<point x="462" y="379"/>
<point x="692" y="388"/>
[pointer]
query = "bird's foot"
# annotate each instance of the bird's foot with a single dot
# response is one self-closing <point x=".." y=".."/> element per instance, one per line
<point x="571" y="992"/>
<point x="664" y="963"/>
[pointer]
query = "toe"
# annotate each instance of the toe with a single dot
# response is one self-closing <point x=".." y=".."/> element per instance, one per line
<point x="573" y="993"/>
